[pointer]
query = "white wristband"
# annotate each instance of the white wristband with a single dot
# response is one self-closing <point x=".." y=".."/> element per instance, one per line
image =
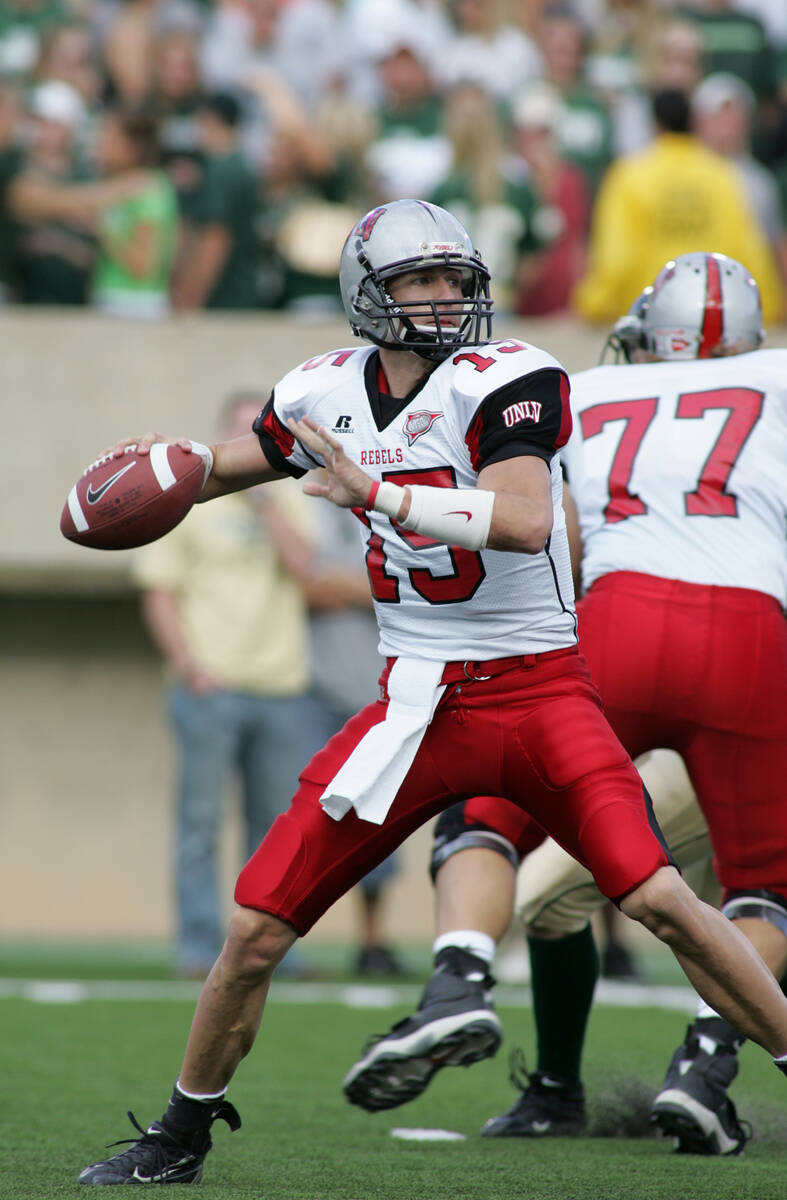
<point x="206" y="454"/>
<point x="456" y="516"/>
<point x="386" y="498"/>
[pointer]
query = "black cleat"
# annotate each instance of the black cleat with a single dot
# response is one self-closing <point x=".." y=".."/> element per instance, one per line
<point x="546" y="1107"/>
<point x="693" y="1105"/>
<point x="156" y="1156"/>
<point x="455" y="1026"/>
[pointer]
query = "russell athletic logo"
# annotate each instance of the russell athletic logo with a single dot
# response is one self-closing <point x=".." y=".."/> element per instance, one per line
<point x="93" y="495"/>
<point x="418" y="423"/>
<point x="525" y="410"/>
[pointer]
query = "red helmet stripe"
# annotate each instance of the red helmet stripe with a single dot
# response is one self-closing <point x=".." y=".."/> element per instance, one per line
<point x="713" y="317"/>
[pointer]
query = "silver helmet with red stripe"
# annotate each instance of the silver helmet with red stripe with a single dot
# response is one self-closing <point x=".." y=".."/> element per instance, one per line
<point x="405" y="236"/>
<point x="702" y="306"/>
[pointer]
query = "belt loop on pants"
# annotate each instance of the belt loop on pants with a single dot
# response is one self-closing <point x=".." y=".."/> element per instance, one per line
<point x="474" y="671"/>
<point x="470" y="674"/>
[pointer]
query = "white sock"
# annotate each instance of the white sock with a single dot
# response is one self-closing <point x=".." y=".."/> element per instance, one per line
<point x="781" y="1061"/>
<point x="472" y="940"/>
<point x="704" y="1011"/>
<point x="204" y="1098"/>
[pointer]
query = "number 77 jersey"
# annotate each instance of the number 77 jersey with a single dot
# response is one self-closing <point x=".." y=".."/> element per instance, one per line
<point x="679" y="470"/>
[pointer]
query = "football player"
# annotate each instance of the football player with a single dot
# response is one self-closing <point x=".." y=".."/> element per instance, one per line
<point x="446" y="443"/>
<point x="677" y="470"/>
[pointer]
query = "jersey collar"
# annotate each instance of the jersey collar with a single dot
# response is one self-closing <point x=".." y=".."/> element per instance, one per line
<point x="385" y="408"/>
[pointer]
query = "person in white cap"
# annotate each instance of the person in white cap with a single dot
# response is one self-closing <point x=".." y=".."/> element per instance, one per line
<point x="54" y="258"/>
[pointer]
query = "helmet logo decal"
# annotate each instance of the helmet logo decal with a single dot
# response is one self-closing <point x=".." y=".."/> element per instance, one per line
<point x="366" y="225"/>
<point x="713" y="317"/>
<point x="418" y="423"/>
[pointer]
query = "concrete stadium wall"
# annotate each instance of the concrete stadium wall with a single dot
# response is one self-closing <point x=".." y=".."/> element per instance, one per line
<point x="86" y="762"/>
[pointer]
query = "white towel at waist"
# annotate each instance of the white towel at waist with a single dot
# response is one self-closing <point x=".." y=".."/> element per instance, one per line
<point x="373" y="774"/>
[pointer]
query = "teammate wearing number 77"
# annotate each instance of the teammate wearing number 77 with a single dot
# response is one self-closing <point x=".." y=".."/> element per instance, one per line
<point x="445" y="443"/>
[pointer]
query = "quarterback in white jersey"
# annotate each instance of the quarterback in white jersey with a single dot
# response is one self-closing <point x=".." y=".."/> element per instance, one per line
<point x="484" y="691"/>
<point x="478" y="407"/>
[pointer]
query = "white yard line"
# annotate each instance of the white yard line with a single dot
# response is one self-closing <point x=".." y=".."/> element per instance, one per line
<point x="356" y="995"/>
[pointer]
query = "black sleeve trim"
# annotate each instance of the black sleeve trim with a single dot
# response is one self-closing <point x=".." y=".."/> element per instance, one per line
<point x="276" y="442"/>
<point x="518" y="450"/>
<point x="531" y="413"/>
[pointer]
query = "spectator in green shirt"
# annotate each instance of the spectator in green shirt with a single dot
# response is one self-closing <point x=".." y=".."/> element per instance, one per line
<point x="220" y="250"/>
<point x="136" y="234"/>
<point x="132" y="210"/>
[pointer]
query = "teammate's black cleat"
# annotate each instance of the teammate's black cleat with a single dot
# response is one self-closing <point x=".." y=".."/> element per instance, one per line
<point x="159" y="1157"/>
<point x="455" y="1026"/>
<point x="693" y="1105"/>
<point x="545" y="1107"/>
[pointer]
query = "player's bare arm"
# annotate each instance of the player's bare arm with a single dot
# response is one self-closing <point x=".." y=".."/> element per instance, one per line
<point x="521" y="504"/>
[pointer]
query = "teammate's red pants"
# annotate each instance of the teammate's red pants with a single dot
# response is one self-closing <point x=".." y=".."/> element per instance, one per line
<point x="534" y="733"/>
<point x="703" y="671"/>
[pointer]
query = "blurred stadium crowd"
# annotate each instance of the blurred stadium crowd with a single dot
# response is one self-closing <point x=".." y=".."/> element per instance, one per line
<point x="183" y="154"/>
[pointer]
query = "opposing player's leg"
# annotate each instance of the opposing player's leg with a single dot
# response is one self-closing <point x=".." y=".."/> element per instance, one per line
<point x="556" y="897"/>
<point x="693" y="1105"/>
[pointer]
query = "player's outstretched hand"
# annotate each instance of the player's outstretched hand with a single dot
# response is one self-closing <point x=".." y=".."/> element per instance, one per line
<point x="344" y="482"/>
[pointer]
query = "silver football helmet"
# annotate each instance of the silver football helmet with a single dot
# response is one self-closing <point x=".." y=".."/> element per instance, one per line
<point x="404" y="236"/>
<point x="627" y="336"/>
<point x="702" y="305"/>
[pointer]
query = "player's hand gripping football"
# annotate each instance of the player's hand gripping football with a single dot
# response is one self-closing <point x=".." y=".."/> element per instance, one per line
<point x="344" y="483"/>
<point x="143" y="444"/>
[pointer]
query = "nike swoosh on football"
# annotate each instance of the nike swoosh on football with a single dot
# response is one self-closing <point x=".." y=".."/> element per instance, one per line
<point x="93" y="495"/>
<point x="459" y="512"/>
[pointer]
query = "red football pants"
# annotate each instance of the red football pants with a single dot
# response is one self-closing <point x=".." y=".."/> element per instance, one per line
<point x="535" y="734"/>
<point x="703" y="671"/>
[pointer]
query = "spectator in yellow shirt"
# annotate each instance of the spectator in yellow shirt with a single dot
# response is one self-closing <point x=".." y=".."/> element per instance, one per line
<point x="674" y="197"/>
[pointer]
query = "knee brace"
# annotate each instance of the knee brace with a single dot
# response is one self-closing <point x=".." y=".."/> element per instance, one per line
<point x="452" y="834"/>
<point x="760" y="904"/>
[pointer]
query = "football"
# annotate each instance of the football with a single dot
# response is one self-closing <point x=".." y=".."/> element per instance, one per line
<point x="119" y="503"/>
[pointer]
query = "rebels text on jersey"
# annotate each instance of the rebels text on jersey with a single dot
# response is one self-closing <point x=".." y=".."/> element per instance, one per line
<point x="678" y="470"/>
<point x="478" y="407"/>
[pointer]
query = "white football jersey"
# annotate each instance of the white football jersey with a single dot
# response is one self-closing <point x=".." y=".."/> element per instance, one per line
<point x="679" y="470"/>
<point x="481" y="405"/>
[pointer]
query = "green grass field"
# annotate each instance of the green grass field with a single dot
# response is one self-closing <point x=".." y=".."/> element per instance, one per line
<point x="70" y="1070"/>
